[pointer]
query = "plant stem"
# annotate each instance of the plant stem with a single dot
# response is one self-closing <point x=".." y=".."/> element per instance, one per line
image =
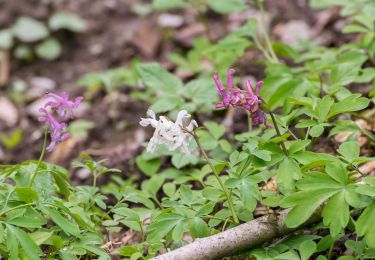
<point x="249" y="120"/>
<point x="278" y="132"/>
<point x="226" y="192"/>
<point x="330" y="251"/>
<point x="40" y="157"/>
<point x="265" y="31"/>
<point x="14" y="208"/>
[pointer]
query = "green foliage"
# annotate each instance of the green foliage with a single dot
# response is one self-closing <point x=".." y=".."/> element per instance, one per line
<point x="67" y="21"/>
<point x="171" y="197"/>
<point x="26" y="31"/>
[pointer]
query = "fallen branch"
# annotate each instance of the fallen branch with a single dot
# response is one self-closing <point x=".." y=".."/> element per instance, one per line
<point x="234" y="240"/>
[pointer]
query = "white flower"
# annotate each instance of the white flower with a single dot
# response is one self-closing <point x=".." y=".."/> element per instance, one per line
<point x="169" y="133"/>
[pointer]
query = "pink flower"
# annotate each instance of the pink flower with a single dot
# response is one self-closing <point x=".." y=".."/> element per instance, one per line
<point x="62" y="104"/>
<point x="236" y="97"/>
<point x="56" y="129"/>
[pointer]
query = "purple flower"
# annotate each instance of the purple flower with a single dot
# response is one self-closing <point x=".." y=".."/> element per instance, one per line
<point x="56" y="129"/>
<point x="248" y="99"/>
<point x="62" y="104"/>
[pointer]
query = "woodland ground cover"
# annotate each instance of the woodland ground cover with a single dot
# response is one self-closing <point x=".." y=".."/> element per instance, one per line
<point x="206" y="131"/>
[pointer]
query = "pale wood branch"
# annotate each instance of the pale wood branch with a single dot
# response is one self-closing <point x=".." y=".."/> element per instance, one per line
<point x="237" y="239"/>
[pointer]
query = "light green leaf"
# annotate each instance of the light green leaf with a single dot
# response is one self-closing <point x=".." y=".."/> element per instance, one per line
<point x="49" y="49"/>
<point x="31" y="250"/>
<point x="158" y="79"/>
<point x="162" y="225"/>
<point x="148" y="167"/>
<point x="162" y="5"/>
<point x="365" y="225"/>
<point x="27" y="194"/>
<point x="167" y="103"/>
<point x="336" y="213"/>
<point x="307" y="249"/>
<point x="67" y="226"/>
<point x="349" y="150"/>
<point x="68" y="21"/>
<point x="215" y="129"/>
<point x="304" y="204"/>
<point x="344" y="73"/>
<point x="349" y="104"/>
<point x="226" y="6"/>
<point x="29" y="30"/>
<point x="288" y="172"/>
<point x="169" y="189"/>
<point x="6" y="39"/>
<point x="198" y="228"/>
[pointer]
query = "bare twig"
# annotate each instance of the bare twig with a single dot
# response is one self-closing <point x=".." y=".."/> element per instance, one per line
<point x="237" y="239"/>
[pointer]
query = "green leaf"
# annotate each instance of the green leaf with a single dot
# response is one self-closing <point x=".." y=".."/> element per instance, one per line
<point x="365" y="225"/>
<point x="167" y="103"/>
<point x="200" y="91"/>
<point x="336" y="213"/>
<point x="178" y="231"/>
<point x="288" y="172"/>
<point x="304" y="204"/>
<point x="23" y="52"/>
<point x="307" y="249"/>
<point x="337" y="172"/>
<point x="198" y="228"/>
<point x="12" y="244"/>
<point x="350" y="151"/>
<point x="67" y="226"/>
<point x="28" y="29"/>
<point x="30" y="219"/>
<point x="162" y="5"/>
<point x="49" y="49"/>
<point x="344" y="73"/>
<point x="27" y="194"/>
<point x="215" y="129"/>
<point x="316" y="130"/>
<point x="68" y="21"/>
<point x="31" y="250"/>
<point x="186" y="194"/>
<point x="169" y="189"/>
<point x="249" y="193"/>
<point x="152" y="185"/>
<point x="283" y="92"/>
<point x="39" y="237"/>
<point x="262" y="154"/>
<point x="298" y="145"/>
<point x="6" y="39"/>
<point x="349" y="104"/>
<point x="162" y="225"/>
<point x="226" y="6"/>
<point x="148" y="167"/>
<point x="158" y="79"/>
<point x="323" y="107"/>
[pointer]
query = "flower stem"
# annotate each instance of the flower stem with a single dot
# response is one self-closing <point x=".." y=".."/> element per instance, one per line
<point x="278" y="132"/>
<point x="40" y="158"/>
<point x="249" y="121"/>
<point x="225" y="190"/>
<point x="14" y="208"/>
<point x="265" y="31"/>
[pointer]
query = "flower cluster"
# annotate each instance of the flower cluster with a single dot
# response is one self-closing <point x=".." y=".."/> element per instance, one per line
<point x="63" y="107"/>
<point x="236" y="97"/>
<point x="174" y="135"/>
